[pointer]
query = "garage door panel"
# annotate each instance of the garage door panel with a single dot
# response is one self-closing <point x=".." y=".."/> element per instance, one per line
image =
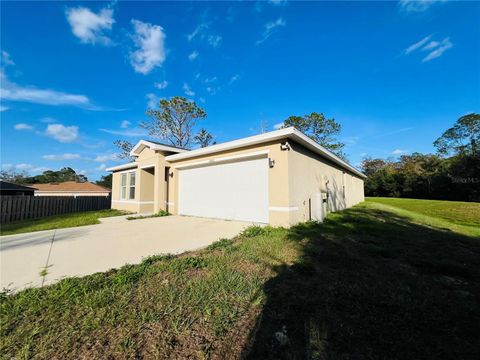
<point x="237" y="191"/>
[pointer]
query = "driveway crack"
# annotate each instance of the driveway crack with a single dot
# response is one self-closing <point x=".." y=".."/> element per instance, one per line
<point x="44" y="271"/>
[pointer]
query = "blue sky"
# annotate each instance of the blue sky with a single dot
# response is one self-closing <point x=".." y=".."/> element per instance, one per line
<point x="394" y="74"/>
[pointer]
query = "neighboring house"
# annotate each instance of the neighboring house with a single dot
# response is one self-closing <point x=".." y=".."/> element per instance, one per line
<point x="71" y="188"/>
<point x="281" y="178"/>
<point x="7" y="188"/>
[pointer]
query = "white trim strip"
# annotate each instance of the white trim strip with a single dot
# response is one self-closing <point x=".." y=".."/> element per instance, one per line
<point x="169" y="203"/>
<point x="147" y="166"/>
<point x="121" y="167"/>
<point x="133" y="202"/>
<point x="198" y="163"/>
<point x="283" y="208"/>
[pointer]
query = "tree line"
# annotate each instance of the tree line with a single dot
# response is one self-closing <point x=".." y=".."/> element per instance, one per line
<point x="453" y="173"/>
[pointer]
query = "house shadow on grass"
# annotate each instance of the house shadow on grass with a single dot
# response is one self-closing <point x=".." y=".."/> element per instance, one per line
<point x="372" y="285"/>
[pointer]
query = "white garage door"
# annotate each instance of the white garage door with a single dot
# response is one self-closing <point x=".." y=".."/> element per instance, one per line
<point x="235" y="191"/>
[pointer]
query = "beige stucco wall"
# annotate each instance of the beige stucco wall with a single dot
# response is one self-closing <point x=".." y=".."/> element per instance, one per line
<point x="277" y="184"/>
<point x="298" y="174"/>
<point x="311" y="174"/>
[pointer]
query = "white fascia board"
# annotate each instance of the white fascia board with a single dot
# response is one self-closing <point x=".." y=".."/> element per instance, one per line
<point x="144" y="143"/>
<point x="122" y="167"/>
<point x="251" y="140"/>
<point x="290" y="133"/>
<point x="312" y="145"/>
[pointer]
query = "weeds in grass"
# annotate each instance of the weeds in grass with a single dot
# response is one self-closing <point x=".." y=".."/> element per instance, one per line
<point x="161" y="213"/>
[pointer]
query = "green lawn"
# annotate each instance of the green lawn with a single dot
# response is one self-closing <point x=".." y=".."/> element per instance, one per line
<point x="371" y="282"/>
<point x="58" y="222"/>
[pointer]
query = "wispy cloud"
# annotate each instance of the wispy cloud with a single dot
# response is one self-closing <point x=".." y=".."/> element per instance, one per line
<point x="187" y="90"/>
<point x="394" y="132"/>
<point x="416" y="6"/>
<point x="14" y="92"/>
<point x="161" y="85"/>
<point x="417" y="45"/>
<point x="62" y="133"/>
<point x="3" y="108"/>
<point x="399" y="152"/>
<point x="58" y="157"/>
<point x="125" y="124"/>
<point x="438" y="48"/>
<point x="149" y="40"/>
<point x="23" y="126"/>
<point x="202" y="32"/>
<point x="234" y="78"/>
<point x="25" y="167"/>
<point x="90" y="27"/>
<point x="434" y="48"/>
<point x="153" y="100"/>
<point x="106" y="157"/>
<point x="193" y="55"/>
<point x="128" y="132"/>
<point x="278" y="2"/>
<point x="6" y="59"/>
<point x="270" y="28"/>
<point x="278" y="126"/>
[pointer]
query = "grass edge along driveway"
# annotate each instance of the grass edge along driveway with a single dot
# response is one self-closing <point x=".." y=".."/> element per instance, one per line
<point x="367" y="283"/>
<point x="58" y="221"/>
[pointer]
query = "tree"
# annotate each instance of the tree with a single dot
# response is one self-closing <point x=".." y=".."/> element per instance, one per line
<point x="64" y="174"/>
<point x="105" y="181"/>
<point x="13" y="176"/>
<point x="203" y="138"/>
<point x="125" y="147"/>
<point x="461" y="139"/>
<point x="324" y="131"/>
<point x="174" y="121"/>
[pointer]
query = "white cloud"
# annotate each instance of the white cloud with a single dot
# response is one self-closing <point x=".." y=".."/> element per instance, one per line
<point x="234" y="78"/>
<point x="3" y="108"/>
<point x="64" y="134"/>
<point x="152" y="100"/>
<point x="101" y="167"/>
<point x="13" y="92"/>
<point x="277" y="2"/>
<point x="214" y="40"/>
<point x="435" y="48"/>
<point x="210" y="80"/>
<point x="66" y="156"/>
<point x="125" y="124"/>
<point x="127" y="133"/>
<point x="202" y="32"/>
<point x="150" y="42"/>
<point x="90" y="27"/>
<point x="187" y="90"/>
<point x="161" y="85"/>
<point x="202" y="100"/>
<point x="192" y="56"/>
<point x="271" y="28"/>
<point x="415" y="6"/>
<point x="438" y="49"/>
<point x="199" y="31"/>
<point x="6" y="59"/>
<point x="417" y="45"/>
<point x="399" y="152"/>
<point x="278" y="126"/>
<point x="23" y="126"/>
<point x="26" y="167"/>
<point x="107" y="157"/>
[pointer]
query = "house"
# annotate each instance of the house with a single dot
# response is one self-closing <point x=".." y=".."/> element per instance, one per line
<point x="7" y="188"/>
<point x="280" y="178"/>
<point x="71" y="188"/>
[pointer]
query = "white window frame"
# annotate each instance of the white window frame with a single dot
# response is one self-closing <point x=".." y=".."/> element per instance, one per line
<point x="132" y="186"/>
<point x="123" y="186"/>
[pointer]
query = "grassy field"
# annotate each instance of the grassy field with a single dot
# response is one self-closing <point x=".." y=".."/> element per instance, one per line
<point x="58" y="222"/>
<point x="371" y="282"/>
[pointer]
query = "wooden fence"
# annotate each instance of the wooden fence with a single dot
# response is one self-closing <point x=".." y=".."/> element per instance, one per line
<point x="14" y="208"/>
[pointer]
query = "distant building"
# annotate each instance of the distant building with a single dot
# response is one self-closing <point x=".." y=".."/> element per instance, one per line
<point x="71" y="188"/>
<point x="7" y="188"/>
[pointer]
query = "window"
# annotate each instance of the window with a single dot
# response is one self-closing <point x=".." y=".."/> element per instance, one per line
<point x="131" y="191"/>
<point x="123" y="188"/>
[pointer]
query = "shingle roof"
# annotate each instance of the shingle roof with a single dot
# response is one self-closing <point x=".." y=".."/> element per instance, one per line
<point x="71" y="186"/>
<point x="4" y="185"/>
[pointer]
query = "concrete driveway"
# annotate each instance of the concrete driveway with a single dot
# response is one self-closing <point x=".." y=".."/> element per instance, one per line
<point x="89" y="249"/>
